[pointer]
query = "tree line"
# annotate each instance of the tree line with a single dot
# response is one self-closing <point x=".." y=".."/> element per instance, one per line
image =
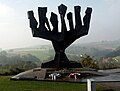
<point x="17" y="63"/>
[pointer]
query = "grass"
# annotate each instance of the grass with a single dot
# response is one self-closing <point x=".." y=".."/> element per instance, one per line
<point x="9" y="85"/>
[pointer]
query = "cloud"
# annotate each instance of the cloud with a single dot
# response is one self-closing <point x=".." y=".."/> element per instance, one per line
<point x="6" y="10"/>
<point x="7" y="15"/>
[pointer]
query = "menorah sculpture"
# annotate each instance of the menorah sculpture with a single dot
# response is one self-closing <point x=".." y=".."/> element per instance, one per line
<point x="60" y="40"/>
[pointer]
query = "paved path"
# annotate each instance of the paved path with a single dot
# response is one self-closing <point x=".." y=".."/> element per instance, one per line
<point x="115" y="86"/>
<point x="111" y="81"/>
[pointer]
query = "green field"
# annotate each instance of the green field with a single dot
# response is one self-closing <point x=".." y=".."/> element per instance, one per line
<point x="41" y="53"/>
<point x="9" y="85"/>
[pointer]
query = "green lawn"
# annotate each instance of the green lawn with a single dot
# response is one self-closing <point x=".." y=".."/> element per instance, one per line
<point x="9" y="85"/>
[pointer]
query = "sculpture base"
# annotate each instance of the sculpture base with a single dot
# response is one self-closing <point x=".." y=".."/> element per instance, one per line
<point x="43" y="74"/>
<point x="52" y="64"/>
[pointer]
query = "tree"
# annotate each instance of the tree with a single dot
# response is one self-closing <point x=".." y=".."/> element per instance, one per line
<point x="88" y="61"/>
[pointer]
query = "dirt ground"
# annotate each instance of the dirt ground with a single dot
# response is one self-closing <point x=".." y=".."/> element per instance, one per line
<point x="111" y="86"/>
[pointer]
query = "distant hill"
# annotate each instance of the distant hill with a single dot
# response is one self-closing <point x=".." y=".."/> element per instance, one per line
<point x="96" y="49"/>
<point x="114" y="53"/>
<point x="0" y="49"/>
<point x="103" y="44"/>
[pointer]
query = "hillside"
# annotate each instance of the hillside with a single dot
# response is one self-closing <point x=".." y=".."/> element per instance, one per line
<point x="46" y="52"/>
<point x="102" y="44"/>
<point x="114" y="53"/>
<point x="31" y="57"/>
<point x="35" y="55"/>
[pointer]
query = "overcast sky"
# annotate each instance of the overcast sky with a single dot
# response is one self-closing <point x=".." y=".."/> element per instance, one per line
<point x="14" y="24"/>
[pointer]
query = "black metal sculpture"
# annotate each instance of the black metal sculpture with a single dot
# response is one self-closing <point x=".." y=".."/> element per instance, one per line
<point x="60" y="40"/>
